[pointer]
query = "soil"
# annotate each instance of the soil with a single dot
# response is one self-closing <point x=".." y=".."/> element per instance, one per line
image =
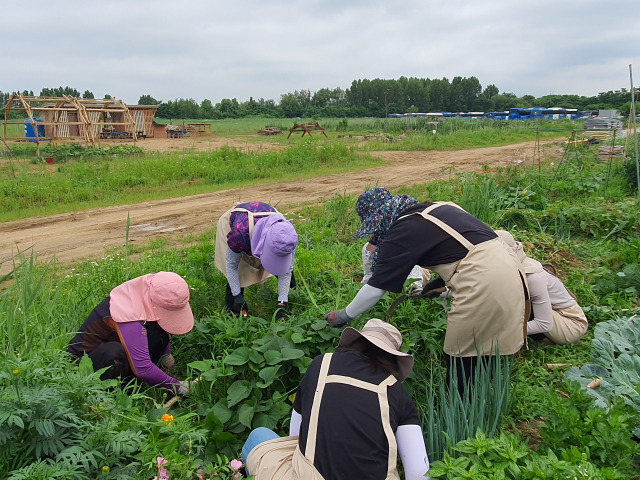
<point x="83" y="235"/>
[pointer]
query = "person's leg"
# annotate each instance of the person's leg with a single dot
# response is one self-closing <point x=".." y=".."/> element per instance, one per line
<point x="569" y="325"/>
<point x="256" y="437"/>
<point x="461" y="371"/>
<point x="114" y="356"/>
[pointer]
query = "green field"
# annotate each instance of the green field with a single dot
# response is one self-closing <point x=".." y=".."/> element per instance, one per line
<point x="58" y="420"/>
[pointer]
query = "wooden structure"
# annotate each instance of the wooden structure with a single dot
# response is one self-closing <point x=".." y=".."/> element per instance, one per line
<point x="269" y="131"/>
<point x="63" y="118"/>
<point x="198" y="129"/>
<point x="307" y="128"/>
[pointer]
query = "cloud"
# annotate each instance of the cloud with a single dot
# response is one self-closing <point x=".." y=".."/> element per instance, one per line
<point x="202" y="49"/>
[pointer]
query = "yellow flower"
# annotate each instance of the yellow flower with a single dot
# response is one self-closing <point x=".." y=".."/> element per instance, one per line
<point x="524" y="191"/>
<point x="105" y="469"/>
<point x="15" y="372"/>
<point x="167" y="419"/>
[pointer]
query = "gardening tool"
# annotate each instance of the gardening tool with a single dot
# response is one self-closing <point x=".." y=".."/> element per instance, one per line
<point x="434" y="292"/>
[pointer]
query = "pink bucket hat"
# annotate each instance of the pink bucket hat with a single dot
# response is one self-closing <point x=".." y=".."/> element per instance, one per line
<point x="384" y="336"/>
<point x="161" y="297"/>
<point x="274" y="242"/>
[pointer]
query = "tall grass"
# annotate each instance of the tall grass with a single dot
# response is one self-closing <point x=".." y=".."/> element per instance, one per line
<point x="27" y="190"/>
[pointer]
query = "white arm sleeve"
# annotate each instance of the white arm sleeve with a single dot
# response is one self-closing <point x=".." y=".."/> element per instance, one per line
<point x="284" y="285"/>
<point x="540" y="304"/>
<point x="233" y="275"/>
<point x="294" y="423"/>
<point x="366" y="298"/>
<point x="412" y="451"/>
<point x="367" y="264"/>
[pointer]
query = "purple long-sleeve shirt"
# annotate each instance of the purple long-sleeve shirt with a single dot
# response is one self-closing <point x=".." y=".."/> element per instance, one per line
<point x="134" y="337"/>
<point x="99" y="328"/>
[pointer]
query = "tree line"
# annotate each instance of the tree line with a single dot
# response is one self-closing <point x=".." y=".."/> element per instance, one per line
<point x="369" y="98"/>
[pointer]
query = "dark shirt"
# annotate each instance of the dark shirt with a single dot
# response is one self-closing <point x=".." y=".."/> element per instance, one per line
<point x="351" y="442"/>
<point x="417" y="241"/>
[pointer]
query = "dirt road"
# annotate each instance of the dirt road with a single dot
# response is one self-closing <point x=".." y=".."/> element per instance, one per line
<point x="85" y="235"/>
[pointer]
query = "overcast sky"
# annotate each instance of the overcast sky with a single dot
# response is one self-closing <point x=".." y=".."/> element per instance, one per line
<point x="207" y="49"/>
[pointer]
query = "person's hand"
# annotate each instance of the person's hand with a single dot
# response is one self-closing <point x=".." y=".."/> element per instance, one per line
<point x="434" y="288"/>
<point x="186" y="387"/>
<point x="167" y="362"/>
<point x="239" y="306"/>
<point x="281" y="311"/>
<point x="433" y="293"/>
<point x="338" y="318"/>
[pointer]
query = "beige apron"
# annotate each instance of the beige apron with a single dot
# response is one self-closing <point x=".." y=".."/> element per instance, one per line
<point x="281" y="459"/>
<point x="569" y="325"/>
<point x="250" y="269"/>
<point x="488" y="307"/>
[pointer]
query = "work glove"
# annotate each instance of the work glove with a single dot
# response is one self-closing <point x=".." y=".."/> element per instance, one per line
<point x="239" y="306"/>
<point x="338" y="318"/>
<point x="186" y="387"/>
<point x="434" y="288"/>
<point x="433" y="293"/>
<point x="281" y="311"/>
<point x="167" y="362"/>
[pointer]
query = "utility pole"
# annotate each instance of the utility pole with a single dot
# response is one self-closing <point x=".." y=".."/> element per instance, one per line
<point x="386" y="112"/>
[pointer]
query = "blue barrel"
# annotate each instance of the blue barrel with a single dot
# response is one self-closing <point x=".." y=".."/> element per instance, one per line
<point x="30" y="132"/>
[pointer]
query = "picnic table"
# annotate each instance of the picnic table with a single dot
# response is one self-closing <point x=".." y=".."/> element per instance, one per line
<point x="307" y="128"/>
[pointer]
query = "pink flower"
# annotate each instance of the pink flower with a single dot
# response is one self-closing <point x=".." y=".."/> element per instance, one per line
<point x="162" y="472"/>
<point x="236" y="464"/>
<point x="237" y="475"/>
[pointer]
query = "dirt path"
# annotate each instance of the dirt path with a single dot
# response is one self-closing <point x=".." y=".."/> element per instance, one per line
<point x="72" y="237"/>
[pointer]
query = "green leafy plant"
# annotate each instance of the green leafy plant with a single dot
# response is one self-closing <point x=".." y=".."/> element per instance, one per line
<point x="615" y="361"/>
<point x="507" y="457"/>
<point x="449" y="416"/>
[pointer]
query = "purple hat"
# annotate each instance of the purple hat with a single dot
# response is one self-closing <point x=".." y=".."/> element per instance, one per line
<point x="274" y="242"/>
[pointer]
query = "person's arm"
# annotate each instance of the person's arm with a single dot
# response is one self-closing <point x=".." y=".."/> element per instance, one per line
<point x="294" y="423"/>
<point x="366" y="298"/>
<point x="413" y="452"/>
<point x="540" y="305"/>
<point x="367" y="262"/>
<point x="233" y="275"/>
<point x="135" y="342"/>
<point x="284" y="285"/>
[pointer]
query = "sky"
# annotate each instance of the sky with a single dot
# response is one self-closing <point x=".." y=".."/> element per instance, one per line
<point x="209" y="49"/>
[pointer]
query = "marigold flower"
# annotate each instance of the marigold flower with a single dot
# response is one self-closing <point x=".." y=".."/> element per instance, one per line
<point x="168" y="419"/>
<point x="524" y="191"/>
<point x="459" y="191"/>
<point x="494" y="170"/>
<point x="15" y="372"/>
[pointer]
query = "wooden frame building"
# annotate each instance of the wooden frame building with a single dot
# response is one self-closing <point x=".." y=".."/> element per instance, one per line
<point x="67" y="118"/>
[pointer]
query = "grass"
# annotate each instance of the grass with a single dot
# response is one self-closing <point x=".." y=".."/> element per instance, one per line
<point x="87" y="182"/>
<point x="88" y="178"/>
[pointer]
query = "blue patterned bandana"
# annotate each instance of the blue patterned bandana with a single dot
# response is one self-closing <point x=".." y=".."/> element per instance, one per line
<point x="378" y="209"/>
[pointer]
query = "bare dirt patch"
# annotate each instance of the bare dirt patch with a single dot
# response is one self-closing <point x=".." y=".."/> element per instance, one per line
<point x="77" y="236"/>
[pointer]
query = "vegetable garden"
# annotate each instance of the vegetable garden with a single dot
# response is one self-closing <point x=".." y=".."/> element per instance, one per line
<point x="529" y="419"/>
